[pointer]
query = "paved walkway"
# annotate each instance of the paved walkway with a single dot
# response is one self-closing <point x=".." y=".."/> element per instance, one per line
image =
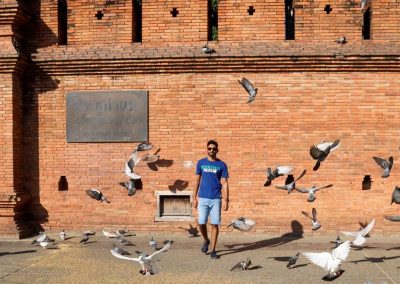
<point x="72" y="262"/>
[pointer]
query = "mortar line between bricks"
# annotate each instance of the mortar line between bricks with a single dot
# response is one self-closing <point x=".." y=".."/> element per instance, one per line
<point x="380" y="268"/>
<point x="32" y="264"/>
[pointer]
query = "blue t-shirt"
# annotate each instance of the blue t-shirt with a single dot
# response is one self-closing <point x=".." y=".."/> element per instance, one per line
<point x="211" y="174"/>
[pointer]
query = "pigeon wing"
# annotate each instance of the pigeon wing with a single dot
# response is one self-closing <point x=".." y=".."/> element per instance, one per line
<point x="238" y="266"/>
<point x="368" y="228"/>
<point x="325" y="186"/>
<point x="300" y="176"/>
<point x="322" y="259"/>
<point x="284" y="170"/>
<point x="314" y="214"/>
<point x="316" y="153"/>
<point x="306" y="214"/>
<point x="302" y="190"/>
<point x="381" y="162"/>
<point x="124" y="257"/>
<point x="342" y="251"/>
<point x="129" y="171"/>
<point x="281" y="187"/>
<point x="248" y="86"/>
<point x="390" y="162"/>
<point x="394" y="218"/>
<point x="349" y="234"/>
<point x="165" y="248"/>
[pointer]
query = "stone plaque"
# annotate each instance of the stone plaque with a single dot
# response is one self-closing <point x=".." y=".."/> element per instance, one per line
<point x="107" y="116"/>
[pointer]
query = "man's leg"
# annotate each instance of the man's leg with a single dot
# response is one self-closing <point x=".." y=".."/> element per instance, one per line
<point x="203" y="231"/>
<point x="215" y="214"/>
<point x="203" y="210"/>
<point x="214" y="236"/>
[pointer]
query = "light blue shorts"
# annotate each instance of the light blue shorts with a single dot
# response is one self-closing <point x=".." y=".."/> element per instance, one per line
<point x="210" y="207"/>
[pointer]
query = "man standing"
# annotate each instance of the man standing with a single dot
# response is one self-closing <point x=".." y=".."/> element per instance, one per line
<point x="210" y="194"/>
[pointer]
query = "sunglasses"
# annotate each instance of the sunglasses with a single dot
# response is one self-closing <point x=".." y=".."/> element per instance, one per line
<point x="212" y="148"/>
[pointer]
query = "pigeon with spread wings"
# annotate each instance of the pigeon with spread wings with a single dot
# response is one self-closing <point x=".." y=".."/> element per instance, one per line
<point x="289" y="187"/>
<point x="314" y="222"/>
<point x="249" y="89"/>
<point x="360" y="235"/>
<point x="279" y="171"/>
<point x="311" y="191"/>
<point x="386" y="165"/>
<point x="321" y="151"/>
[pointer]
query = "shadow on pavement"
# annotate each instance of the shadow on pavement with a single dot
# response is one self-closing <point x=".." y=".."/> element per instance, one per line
<point x="17" y="252"/>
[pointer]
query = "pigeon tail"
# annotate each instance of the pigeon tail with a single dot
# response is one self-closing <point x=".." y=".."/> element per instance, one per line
<point x="268" y="183"/>
<point x="317" y="165"/>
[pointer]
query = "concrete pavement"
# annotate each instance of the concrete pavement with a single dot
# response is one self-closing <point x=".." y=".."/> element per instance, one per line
<point x="72" y="262"/>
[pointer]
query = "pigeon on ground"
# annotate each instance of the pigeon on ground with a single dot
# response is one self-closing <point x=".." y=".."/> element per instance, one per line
<point x="279" y="171"/>
<point x="150" y="158"/>
<point x="322" y="150"/>
<point x="311" y="191"/>
<point x="289" y="187"/>
<point x="386" y="165"/>
<point x="42" y="237"/>
<point x="242" y="265"/>
<point x="360" y="235"/>
<point x="110" y="234"/>
<point x="96" y="194"/>
<point x="314" y="222"/>
<point x="293" y="260"/>
<point x="130" y="165"/>
<point x="330" y="262"/>
<point x="396" y="195"/>
<point x="45" y="244"/>
<point x="341" y="40"/>
<point x="120" y="251"/>
<point x="124" y="232"/>
<point x="130" y="186"/>
<point x="241" y="225"/>
<point x="207" y="50"/>
<point x="62" y="235"/>
<point x="193" y="231"/>
<point x="153" y="244"/>
<point x="393" y="218"/>
<point x="144" y="260"/>
<point x="337" y="242"/>
<point x="249" y="89"/>
<point x="84" y="239"/>
<point x="145" y="146"/>
<point x="124" y="241"/>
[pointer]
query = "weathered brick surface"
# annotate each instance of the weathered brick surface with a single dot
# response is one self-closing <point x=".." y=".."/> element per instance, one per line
<point x="310" y="89"/>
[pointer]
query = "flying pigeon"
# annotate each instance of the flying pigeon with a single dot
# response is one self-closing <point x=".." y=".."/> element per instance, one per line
<point x="279" y="171"/>
<point x="322" y="150"/>
<point x="129" y="166"/>
<point x="394" y="218"/>
<point x="330" y="262"/>
<point x="110" y="234"/>
<point x="386" y="165"/>
<point x="153" y="244"/>
<point x="341" y="40"/>
<point x="130" y="186"/>
<point x="45" y="244"/>
<point x="89" y="233"/>
<point x="337" y="242"/>
<point x="360" y="235"/>
<point x="120" y="251"/>
<point x="96" y="194"/>
<point x="150" y="158"/>
<point x="242" y="265"/>
<point x="249" y="89"/>
<point x="144" y="260"/>
<point x="396" y="195"/>
<point x="289" y="187"/>
<point x="241" y="224"/>
<point x="84" y="239"/>
<point x="207" y="50"/>
<point x="145" y="146"/>
<point x="62" y="235"/>
<point x="314" y="222"/>
<point x="293" y="260"/>
<point x="311" y="191"/>
<point x="124" y="241"/>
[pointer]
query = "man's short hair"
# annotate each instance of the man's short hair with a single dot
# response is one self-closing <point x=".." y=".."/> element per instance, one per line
<point x="212" y="142"/>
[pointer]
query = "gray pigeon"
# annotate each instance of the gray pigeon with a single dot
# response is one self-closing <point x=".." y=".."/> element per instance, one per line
<point x="153" y="244"/>
<point x="393" y="218"/>
<point x="396" y="195"/>
<point x="386" y="165"/>
<point x="322" y="150"/>
<point x="289" y="187"/>
<point x="96" y="194"/>
<point x="42" y="238"/>
<point x="130" y="186"/>
<point x="341" y="40"/>
<point x="249" y="89"/>
<point x="130" y="165"/>
<point x="311" y="191"/>
<point x="207" y="50"/>
<point x="84" y="239"/>
<point x="314" y="222"/>
<point x="89" y="233"/>
<point x="242" y="265"/>
<point x="293" y="260"/>
<point x="337" y="242"/>
<point x="124" y="241"/>
<point x="145" y="146"/>
<point x="62" y="235"/>
<point x="120" y="250"/>
<point x="279" y="171"/>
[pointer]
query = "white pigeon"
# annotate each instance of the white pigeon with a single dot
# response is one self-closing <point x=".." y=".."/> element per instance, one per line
<point x="62" y="235"/>
<point x="45" y="244"/>
<point x="311" y="191"/>
<point x="241" y="225"/>
<point x="130" y="165"/>
<point x="110" y="234"/>
<point x="144" y="260"/>
<point x="330" y="262"/>
<point x="360" y="235"/>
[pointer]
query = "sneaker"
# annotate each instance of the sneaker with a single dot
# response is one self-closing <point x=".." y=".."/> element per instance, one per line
<point x="214" y="255"/>
<point x="204" y="248"/>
